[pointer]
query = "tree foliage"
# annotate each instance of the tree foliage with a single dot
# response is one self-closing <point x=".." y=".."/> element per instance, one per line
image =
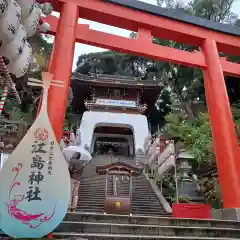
<point x="184" y="85"/>
<point x="196" y="134"/>
<point x="215" y="10"/>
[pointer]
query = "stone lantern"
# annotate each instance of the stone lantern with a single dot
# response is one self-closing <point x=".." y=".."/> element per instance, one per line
<point x="187" y="186"/>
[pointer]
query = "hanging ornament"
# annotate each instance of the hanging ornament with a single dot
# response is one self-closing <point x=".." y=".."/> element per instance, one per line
<point x="43" y="27"/>
<point x="33" y="195"/>
<point x="3" y="98"/>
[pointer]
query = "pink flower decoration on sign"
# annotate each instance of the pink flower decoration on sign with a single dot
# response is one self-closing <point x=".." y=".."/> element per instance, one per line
<point x="32" y="220"/>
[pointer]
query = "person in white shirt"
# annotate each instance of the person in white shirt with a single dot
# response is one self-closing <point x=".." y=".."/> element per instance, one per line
<point x="68" y="139"/>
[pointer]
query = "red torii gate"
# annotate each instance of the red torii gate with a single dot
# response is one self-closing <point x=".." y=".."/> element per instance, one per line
<point x="149" y="21"/>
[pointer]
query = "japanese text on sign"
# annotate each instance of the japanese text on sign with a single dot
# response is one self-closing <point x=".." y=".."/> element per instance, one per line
<point x="50" y="158"/>
<point x="36" y="176"/>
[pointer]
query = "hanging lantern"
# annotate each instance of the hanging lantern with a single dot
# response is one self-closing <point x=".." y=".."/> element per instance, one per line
<point x="4" y="4"/>
<point x="20" y="67"/>
<point x="27" y="7"/>
<point x="46" y="8"/>
<point x="10" y="22"/>
<point x="32" y="21"/>
<point x="14" y="49"/>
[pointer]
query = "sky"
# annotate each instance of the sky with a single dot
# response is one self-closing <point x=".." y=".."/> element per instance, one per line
<point x="84" y="49"/>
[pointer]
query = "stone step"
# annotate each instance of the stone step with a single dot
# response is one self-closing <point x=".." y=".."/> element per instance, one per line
<point x="99" y="236"/>
<point x="101" y="189"/>
<point x="135" y="210"/>
<point x="135" y="197"/>
<point x="137" y="229"/>
<point x="97" y="201"/>
<point x="144" y="220"/>
<point x="97" y="183"/>
<point x="134" y="206"/>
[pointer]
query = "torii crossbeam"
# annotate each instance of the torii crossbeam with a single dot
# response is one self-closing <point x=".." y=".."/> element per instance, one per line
<point x="148" y="20"/>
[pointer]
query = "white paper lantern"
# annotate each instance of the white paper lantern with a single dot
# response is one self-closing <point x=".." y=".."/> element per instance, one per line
<point x="14" y="49"/>
<point x="43" y="28"/>
<point x="46" y="8"/>
<point x="10" y="22"/>
<point x="4" y="4"/>
<point x="20" y="67"/>
<point x="32" y="21"/>
<point x="27" y="7"/>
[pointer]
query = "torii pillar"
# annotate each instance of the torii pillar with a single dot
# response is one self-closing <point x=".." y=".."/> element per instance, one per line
<point x="61" y="64"/>
<point x="223" y="131"/>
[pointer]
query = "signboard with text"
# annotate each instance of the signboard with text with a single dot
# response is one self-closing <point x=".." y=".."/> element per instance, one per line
<point x="34" y="183"/>
<point x="4" y="158"/>
<point x="117" y="103"/>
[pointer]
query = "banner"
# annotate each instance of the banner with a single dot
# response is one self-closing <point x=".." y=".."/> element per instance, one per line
<point x="117" y="103"/>
<point x="167" y="152"/>
<point x="167" y="159"/>
<point x="167" y="165"/>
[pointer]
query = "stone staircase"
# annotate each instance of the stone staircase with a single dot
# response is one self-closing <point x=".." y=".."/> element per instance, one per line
<point x="149" y="220"/>
<point x="97" y="226"/>
<point x="92" y="190"/>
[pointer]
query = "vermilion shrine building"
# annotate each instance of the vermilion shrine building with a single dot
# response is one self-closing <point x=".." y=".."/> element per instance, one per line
<point x="148" y="20"/>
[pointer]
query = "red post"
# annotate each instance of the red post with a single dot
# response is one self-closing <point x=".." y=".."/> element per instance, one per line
<point x="223" y="130"/>
<point x="61" y="65"/>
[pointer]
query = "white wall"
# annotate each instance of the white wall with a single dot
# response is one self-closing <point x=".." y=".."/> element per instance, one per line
<point x="91" y="120"/>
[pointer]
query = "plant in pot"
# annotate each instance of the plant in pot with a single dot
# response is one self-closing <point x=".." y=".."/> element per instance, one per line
<point x="182" y="199"/>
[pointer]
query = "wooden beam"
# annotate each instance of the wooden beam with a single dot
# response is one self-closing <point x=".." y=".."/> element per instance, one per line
<point x="138" y="47"/>
<point x="143" y="48"/>
<point x="230" y="68"/>
<point x="163" y="28"/>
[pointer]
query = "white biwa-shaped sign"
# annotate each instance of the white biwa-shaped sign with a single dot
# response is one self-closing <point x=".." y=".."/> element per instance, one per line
<point x="34" y="181"/>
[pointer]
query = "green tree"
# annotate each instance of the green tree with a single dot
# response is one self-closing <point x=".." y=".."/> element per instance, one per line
<point x="196" y="134"/>
<point x="186" y="84"/>
<point x="215" y="10"/>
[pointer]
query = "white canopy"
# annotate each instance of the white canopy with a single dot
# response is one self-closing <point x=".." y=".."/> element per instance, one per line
<point x="69" y="152"/>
